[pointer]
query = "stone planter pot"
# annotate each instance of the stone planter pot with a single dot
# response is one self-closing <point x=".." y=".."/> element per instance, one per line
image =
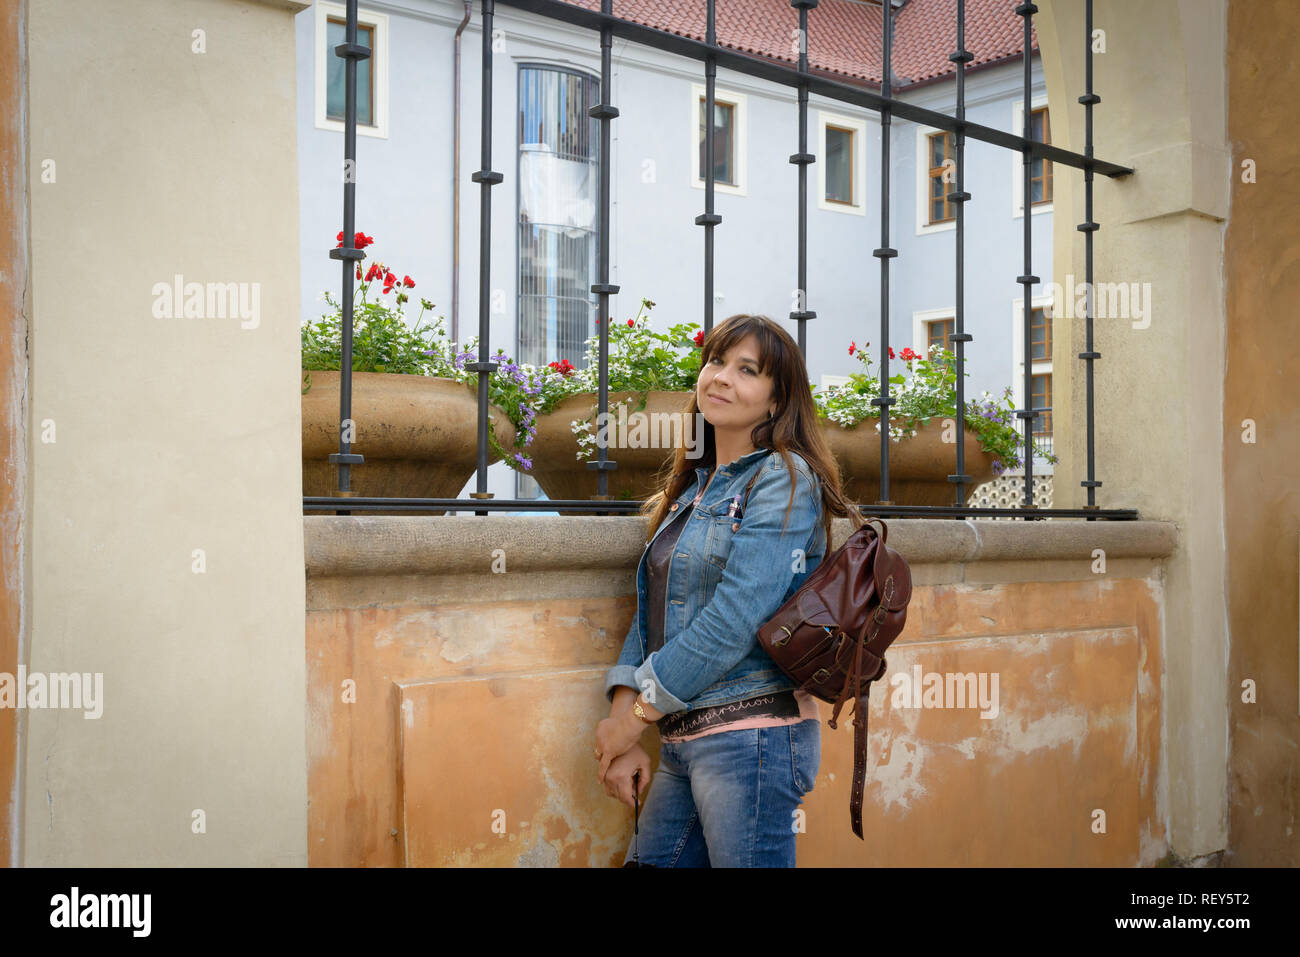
<point x="919" y="465"/>
<point x="418" y="435"/>
<point x="554" y="449"/>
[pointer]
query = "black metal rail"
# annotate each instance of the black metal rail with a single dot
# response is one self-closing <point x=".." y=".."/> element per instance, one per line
<point x="801" y="77"/>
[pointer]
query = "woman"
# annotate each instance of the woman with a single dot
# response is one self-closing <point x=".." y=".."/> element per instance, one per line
<point x="740" y="745"/>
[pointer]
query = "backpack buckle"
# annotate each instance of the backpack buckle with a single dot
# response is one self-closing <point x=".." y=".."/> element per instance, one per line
<point x="782" y="642"/>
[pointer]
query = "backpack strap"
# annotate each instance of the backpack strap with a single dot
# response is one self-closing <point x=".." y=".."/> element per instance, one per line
<point x="860" y="708"/>
<point x="857" y="684"/>
<point x="744" y="502"/>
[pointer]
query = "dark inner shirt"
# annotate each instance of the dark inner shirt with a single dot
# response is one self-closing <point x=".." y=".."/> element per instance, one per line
<point x="661" y="553"/>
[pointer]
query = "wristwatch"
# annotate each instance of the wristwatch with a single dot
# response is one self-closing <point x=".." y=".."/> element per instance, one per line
<point x="640" y="712"/>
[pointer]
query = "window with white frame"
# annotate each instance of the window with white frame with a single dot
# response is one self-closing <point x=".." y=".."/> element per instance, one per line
<point x="1040" y="170"/>
<point x="331" y="76"/>
<point x="729" y="132"/>
<point x="936" y="177"/>
<point x="841" y="163"/>
<point x="934" y="327"/>
<point x="1040" y="344"/>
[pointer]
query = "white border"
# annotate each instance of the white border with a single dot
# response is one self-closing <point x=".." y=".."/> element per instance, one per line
<point x="379" y="72"/>
<point x="1017" y="159"/>
<point x="923" y="224"/>
<point x="741" y="131"/>
<point x="921" y="317"/>
<point x="858" y="162"/>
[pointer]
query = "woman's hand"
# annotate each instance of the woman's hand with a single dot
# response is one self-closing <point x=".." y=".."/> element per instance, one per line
<point x="614" y="736"/>
<point x="619" y="779"/>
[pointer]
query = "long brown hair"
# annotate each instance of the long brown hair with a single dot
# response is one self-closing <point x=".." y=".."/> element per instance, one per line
<point x="794" y="427"/>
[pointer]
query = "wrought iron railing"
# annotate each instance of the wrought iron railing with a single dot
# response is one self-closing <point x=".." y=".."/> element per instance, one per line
<point x="712" y="54"/>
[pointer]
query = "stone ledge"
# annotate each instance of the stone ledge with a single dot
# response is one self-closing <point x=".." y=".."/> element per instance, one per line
<point x="1191" y="180"/>
<point x="362" y="545"/>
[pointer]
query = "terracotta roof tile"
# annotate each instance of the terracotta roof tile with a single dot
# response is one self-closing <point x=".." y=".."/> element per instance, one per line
<point x="844" y="35"/>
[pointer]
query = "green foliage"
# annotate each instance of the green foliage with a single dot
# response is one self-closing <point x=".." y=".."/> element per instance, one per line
<point x="930" y="391"/>
<point x="640" y="360"/>
<point x="381" y="340"/>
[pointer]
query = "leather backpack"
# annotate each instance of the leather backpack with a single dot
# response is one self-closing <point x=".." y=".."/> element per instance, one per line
<point x="830" y="637"/>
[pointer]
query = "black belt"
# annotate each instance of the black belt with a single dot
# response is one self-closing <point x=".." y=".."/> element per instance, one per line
<point x="774" y="704"/>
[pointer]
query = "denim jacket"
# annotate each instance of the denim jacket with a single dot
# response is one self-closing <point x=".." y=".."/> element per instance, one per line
<point x="727" y="577"/>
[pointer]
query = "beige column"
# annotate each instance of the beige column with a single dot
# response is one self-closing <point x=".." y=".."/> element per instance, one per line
<point x="1159" y="384"/>
<point x="166" y="527"/>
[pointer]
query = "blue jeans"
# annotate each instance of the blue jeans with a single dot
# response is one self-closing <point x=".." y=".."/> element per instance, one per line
<point x="728" y="799"/>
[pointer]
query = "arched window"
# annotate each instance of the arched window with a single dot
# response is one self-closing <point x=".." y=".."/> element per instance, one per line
<point x="559" y="181"/>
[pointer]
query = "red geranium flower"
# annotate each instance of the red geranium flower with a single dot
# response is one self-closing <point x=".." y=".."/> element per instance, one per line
<point x="852" y="346"/>
<point x="373" y="272"/>
<point x="891" y="353"/>
<point x="359" y="240"/>
<point x="358" y="270"/>
<point x="631" y="322"/>
<point x="699" y="338"/>
<point x="408" y="282"/>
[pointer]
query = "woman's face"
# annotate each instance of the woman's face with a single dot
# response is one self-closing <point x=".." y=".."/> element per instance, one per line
<point x="731" y="392"/>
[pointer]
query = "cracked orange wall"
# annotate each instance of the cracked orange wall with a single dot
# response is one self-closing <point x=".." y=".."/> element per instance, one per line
<point x="470" y="738"/>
